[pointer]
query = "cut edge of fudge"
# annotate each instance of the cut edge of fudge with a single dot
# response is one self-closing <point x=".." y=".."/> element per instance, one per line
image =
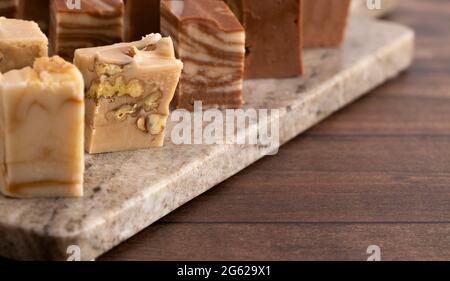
<point x="210" y="40"/>
<point x="129" y="87"/>
<point x="325" y="23"/>
<point x="266" y="56"/>
<point x="47" y="168"/>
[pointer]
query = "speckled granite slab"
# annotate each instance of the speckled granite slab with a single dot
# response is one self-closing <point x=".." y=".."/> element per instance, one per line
<point x="126" y="192"/>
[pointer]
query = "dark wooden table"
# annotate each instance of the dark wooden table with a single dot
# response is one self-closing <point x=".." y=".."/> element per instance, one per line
<point x="376" y="173"/>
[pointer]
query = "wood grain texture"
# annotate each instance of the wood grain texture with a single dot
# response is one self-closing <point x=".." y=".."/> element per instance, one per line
<point x="377" y="172"/>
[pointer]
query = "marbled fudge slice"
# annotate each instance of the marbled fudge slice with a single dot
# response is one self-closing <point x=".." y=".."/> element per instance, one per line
<point x="129" y="87"/>
<point x="96" y="23"/>
<point x="211" y="43"/>
<point x="41" y="130"/>
<point x="21" y="42"/>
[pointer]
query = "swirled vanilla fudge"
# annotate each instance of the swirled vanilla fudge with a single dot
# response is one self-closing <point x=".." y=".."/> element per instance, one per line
<point x="324" y="22"/>
<point x="93" y="23"/>
<point x="129" y="87"/>
<point x="8" y="8"/>
<point x="21" y="42"/>
<point x="142" y="18"/>
<point x="41" y="130"/>
<point x="211" y="43"/>
<point x="274" y="37"/>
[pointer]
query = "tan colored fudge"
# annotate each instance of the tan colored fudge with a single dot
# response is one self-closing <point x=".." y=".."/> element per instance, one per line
<point x="21" y="42"/>
<point x="129" y="87"/>
<point x="42" y="130"/>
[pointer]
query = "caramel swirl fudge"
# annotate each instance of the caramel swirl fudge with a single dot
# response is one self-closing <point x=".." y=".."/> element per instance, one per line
<point x="8" y="8"/>
<point x="95" y="23"/>
<point x="129" y="87"/>
<point x="325" y="22"/>
<point x="41" y="130"/>
<point x="274" y="37"/>
<point x="211" y="43"/>
<point x="21" y="42"/>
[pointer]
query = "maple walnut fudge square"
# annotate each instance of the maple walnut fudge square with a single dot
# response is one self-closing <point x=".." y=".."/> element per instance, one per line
<point x="42" y="130"/>
<point x="21" y="42"/>
<point x="129" y="87"/>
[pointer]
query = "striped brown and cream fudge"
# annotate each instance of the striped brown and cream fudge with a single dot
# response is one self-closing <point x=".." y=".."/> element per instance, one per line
<point x="129" y="87"/>
<point x="41" y="130"/>
<point x="143" y="17"/>
<point x="21" y="42"/>
<point x="274" y="37"/>
<point x="35" y="10"/>
<point x="8" y="8"/>
<point x="210" y="41"/>
<point x="96" y="23"/>
<point x="324" y="22"/>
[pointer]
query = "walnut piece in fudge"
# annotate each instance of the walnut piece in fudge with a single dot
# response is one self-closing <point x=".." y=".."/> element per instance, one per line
<point x="21" y="42"/>
<point x="274" y="40"/>
<point x="129" y="87"/>
<point x="41" y="130"/>
<point x="324" y="22"/>
<point x="97" y="23"/>
<point x="8" y="8"/>
<point x="211" y="43"/>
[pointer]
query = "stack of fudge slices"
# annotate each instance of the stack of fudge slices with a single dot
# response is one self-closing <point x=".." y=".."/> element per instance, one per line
<point x="125" y="90"/>
<point x="98" y="23"/>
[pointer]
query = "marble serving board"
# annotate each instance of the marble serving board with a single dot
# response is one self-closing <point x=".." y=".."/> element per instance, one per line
<point x="128" y="191"/>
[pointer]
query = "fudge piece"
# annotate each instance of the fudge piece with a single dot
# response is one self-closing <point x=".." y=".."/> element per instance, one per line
<point x="274" y="40"/>
<point x="211" y="43"/>
<point x="96" y="23"/>
<point x="324" y="22"/>
<point x="35" y="10"/>
<point x="142" y="17"/>
<point x="41" y="130"/>
<point x="8" y="8"/>
<point x="129" y="87"/>
<point x="21" y="42"/>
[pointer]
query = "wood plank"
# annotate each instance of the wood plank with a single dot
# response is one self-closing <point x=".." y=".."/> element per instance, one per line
<point x="286" y="241"/>
<point x="336" y="179"/>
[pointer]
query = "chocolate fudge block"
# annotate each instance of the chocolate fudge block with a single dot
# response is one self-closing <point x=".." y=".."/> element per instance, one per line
<point x="35" y="10"/>
<point x="142" y="17"/>
<point x="129" y="87"/>
<point x="8" y="8"/>
<point x="211" y="42"/>
<point x="96" y="23"/>
<point x="274" y="40"/>
<point x="41" y="130"/>
<point x="324" y="22"/>
<point x="21" y="42"/>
